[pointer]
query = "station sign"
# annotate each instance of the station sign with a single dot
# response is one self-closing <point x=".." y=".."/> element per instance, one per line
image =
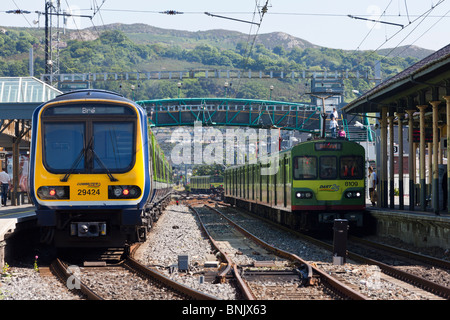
<point x="428" y="135"/>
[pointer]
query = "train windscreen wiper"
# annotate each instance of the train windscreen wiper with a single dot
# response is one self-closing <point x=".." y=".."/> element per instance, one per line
<point x="75" y="163"/>
<point x="80" y="156"/>
<point x="100" y="162"/>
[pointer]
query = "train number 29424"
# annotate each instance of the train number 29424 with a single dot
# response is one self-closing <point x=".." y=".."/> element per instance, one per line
<point x="90" y="192"/>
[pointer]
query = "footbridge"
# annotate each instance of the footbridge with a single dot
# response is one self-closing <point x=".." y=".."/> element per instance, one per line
<point x="232" y="112"/>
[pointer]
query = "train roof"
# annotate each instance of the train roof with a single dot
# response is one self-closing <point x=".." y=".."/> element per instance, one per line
<point x="90" y="94"/>
<point x="300" y="145"/>
<point x="205" y="176"/>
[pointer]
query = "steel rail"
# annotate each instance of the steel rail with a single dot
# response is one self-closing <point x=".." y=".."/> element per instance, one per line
<point x="61" y="270"/>
<point x="151" y="274"/>
<point x="406" y="253"/>
<point x="332" y="283"/>
<point x="245" y="290"/>
<point x="425" y="284"/>
<point x="222" y="274"/>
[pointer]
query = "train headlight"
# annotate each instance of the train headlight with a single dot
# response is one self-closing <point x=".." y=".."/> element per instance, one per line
<point x="124" y="192"/>
<point x="60" y="192"/>
<point x="353" y="194"/>
<point x="53" y="192"/>
<point x="304" y="195"/>
<point x="117" y="192"/>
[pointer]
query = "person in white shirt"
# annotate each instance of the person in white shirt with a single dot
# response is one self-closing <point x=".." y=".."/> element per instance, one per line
<point x="333" y="126"/>
<point x="4" y="180"/>
<point x="335" y="113"/>
<point x="372" y="185"/>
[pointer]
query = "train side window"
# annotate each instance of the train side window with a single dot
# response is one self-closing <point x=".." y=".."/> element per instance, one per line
<point x="305" y="167"/>
<point x="328" y="165"/>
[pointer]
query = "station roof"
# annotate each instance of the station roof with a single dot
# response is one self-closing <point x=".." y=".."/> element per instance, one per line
<point x="422" y="82"/>
<point x="19" y="96"/>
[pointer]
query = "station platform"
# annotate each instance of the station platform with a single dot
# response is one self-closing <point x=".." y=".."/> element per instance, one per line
<point x="418" y="227"/>
<point x="13" y="218"/>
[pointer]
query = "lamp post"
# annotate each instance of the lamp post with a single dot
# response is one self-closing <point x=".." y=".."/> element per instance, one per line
<point x="179" y="89"/>
<point x="270" y="95"/>
<point x="323" y="114"/>
<point x="226" y="88"/>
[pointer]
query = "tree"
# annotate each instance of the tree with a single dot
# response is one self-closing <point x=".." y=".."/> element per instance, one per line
<point x="208" y="170"/>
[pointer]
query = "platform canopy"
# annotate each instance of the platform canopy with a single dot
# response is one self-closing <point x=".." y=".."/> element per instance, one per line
<point x="427" y="80"/>
<point x="19" y="96"/>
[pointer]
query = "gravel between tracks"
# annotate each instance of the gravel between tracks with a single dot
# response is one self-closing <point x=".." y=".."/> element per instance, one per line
<point x="177" y="233"/>
<point x="24" y="283"/>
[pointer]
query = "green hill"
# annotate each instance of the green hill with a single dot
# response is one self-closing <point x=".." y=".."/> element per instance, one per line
<point x="140" y="48"/>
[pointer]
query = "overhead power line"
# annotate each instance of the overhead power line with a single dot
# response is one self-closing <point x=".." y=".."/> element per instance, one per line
<point x="234" y="19"/>
<point x="172" y="12"/>
<point x="378" y="21"/>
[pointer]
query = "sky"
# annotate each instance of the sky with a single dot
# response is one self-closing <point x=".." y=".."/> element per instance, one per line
<point x="424" y="23"/>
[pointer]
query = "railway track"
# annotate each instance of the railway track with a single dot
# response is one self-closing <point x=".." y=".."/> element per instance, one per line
<point x="427" y="272"/>
<point x="267" y="272"/>
<point x="380" y="272"/>
<point x="107" y="282"/>
<point x="264" y="272"/>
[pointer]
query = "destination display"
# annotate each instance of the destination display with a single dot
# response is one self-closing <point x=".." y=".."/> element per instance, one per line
<point x="322" y="146"/>
<point x="88" y="109"/>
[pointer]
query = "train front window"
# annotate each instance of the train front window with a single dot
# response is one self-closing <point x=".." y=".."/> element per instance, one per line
<point x="93" y="144"/>
<point x="217" y="179"/>
<point x="113" y="145"/>
<point x="64" y="146"/>
<point x="305" y="168"/>
<point x="328" y="167"/>
<point x="352" y="167"/>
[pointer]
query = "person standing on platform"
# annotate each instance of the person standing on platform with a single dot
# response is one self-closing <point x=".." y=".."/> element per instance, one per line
<point x="335" y="113"/>
<point x="4" y="180"/>
<point x="333" y="126"/>
<point x="373" y="185"/>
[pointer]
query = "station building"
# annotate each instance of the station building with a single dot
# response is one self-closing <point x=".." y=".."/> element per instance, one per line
<point x="418" y="99"/>
<point x="19" y="96"/>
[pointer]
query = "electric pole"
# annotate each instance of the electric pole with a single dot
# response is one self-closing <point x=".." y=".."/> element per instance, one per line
<point x="51" y="10"/>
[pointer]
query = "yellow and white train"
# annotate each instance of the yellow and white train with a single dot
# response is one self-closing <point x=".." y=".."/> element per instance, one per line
<point x="97" y="175"/>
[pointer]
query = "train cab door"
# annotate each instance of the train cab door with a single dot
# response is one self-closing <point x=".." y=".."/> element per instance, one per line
<point x="274" y="188"/>
<point x="284" y="168"/>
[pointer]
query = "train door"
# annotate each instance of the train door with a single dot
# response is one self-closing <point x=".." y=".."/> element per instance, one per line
<point x="285" y="170"/>
<point x="253" y="182"/>
<point x="274" y="187"/>
<point x="260" y="182"/>
<point x="267" y="186"/>
<point x="247" y="170"/>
